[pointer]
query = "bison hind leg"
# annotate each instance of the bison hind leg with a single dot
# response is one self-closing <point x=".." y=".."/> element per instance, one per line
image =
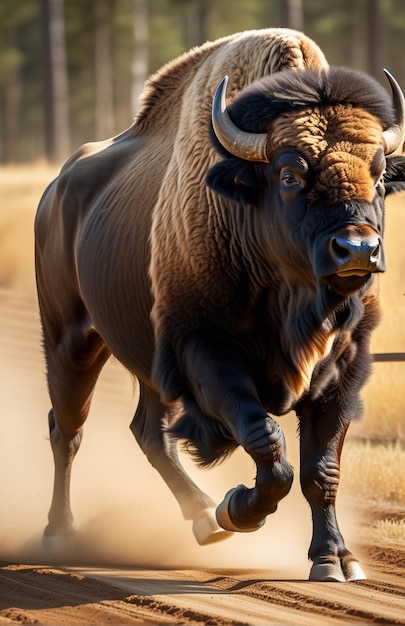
<point x="204" y="437"/>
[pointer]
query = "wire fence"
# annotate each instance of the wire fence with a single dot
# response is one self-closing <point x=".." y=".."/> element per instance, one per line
<point x="386" y="357"/>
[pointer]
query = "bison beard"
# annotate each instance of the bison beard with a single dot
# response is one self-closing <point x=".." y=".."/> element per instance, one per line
<point x="306" y="339"/>
<point x="232" y="272"/>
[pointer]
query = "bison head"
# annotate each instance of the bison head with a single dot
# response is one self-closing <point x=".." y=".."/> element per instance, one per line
<point x="310" y="152"/>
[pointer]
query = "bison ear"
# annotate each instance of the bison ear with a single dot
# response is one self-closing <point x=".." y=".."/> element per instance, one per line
<point x="394" y="176"/>
<point x="237" y="180"/>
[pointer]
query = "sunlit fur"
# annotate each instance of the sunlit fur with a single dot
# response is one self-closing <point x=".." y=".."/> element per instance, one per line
<point x="306" y="336"/>
<point x="341" y="143"/>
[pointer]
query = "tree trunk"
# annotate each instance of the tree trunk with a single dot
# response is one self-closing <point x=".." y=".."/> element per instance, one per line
<point x="374" y="38"/>
<point x="291" y="14"/>
<point x="57" y="133"/>
<point x="12" y="99"/>
<point x="140" y="59"/>
<point x="198" y="18"/>
<point x="104" y="107"/>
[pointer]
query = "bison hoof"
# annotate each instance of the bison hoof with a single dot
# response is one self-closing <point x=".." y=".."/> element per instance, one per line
<point x="61" y="546"/>
<point x="206" y="529"/>
<point x="334" y="569"/>
<point x="223" y="516"/>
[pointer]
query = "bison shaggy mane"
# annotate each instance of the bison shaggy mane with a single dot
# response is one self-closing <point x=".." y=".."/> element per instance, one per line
<point x="286" y="92"/>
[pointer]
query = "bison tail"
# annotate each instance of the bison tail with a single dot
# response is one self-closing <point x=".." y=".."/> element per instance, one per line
<point x="203" y="437"/>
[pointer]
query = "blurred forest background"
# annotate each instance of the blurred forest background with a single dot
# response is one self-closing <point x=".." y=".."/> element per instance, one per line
<point x="72" y="70"/>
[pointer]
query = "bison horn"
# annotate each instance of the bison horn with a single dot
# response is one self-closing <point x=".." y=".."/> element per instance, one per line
<point x="394" y="136"/>
<point x="248" y="146"/>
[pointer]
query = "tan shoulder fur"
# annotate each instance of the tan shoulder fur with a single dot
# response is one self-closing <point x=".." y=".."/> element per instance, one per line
<point x="189" y="248"/>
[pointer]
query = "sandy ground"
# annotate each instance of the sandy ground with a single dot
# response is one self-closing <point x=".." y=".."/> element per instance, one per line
<point x="134" y="559"/>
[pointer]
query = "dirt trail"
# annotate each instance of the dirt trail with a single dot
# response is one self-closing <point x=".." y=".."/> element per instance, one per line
<point x="83" y="595"/>
<point x="134" y="559"/>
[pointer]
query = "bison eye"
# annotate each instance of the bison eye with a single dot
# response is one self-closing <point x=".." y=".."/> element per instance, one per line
<point x="289" y="178"/>
<point x="379" y="182"/>
<point x="379" y="186"/>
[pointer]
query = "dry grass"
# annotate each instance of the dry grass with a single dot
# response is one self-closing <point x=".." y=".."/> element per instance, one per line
<point x="375" y="472"/>
<point x="20" y="191"/>
<point x="384" y="394"/>
<point x="391" y="530"/>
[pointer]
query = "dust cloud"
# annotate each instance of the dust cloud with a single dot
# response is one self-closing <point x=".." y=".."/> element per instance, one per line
<point x="124" y="513"/>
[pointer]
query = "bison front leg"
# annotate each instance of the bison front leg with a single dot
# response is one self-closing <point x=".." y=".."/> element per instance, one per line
<point x="161" y="451"/>
<point x="220" y="379"/>
<point x="322" y="432"/>
<point x="244" y="509"/>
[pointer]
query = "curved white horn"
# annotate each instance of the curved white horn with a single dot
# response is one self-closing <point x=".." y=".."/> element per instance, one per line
<point x="395" y="135"/>
<point x="248" y="146"/>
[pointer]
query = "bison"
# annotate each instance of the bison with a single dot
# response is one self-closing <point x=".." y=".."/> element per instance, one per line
<point x="232" y="267"/>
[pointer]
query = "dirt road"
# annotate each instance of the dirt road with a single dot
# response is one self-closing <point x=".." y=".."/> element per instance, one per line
<point x="134" y="559"/>
<point x="98" y="595"/>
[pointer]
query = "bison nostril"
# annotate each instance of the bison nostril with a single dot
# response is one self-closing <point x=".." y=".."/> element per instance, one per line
<point x="339" y="249"/>
<point x="375" y="254"/>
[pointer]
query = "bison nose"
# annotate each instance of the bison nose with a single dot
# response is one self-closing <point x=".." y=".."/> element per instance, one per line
<point x="357" y="255"/>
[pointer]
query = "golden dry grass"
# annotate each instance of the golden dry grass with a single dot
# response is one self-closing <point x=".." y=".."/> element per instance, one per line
<point x="391" y="530"/>
<point x="384" y="394"/>
<point x="20" y="191"/>
<point x="374" y="471"/>
<point x="373" y="475"/>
